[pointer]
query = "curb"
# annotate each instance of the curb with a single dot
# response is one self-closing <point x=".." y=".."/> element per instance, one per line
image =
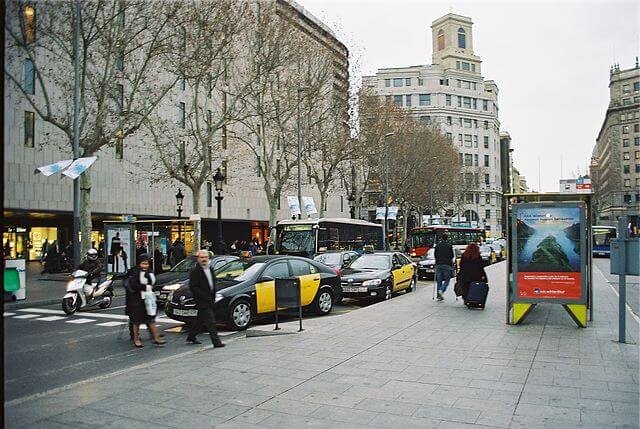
<point x="17" y="305"/>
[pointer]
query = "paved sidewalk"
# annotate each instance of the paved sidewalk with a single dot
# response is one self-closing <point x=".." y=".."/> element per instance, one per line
<point x="410" y="362"/>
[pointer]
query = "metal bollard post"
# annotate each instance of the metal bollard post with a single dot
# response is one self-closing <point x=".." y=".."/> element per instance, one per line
<point x="622" y="279"/>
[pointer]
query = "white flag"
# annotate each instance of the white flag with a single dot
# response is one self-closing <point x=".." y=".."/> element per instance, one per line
<point x="379" y="213"/>
<point x="50" y="169"/>
<point x="309" y="205"/>
<point x="294" y="205"/>
<point x="79" y="166"/>
<point x="393" y="212"/>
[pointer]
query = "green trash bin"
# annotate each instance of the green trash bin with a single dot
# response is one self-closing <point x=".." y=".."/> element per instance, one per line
<point x="11" y="279"/>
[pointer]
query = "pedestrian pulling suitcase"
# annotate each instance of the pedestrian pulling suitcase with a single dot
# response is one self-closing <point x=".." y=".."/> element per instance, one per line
<point x="477" y="295"/>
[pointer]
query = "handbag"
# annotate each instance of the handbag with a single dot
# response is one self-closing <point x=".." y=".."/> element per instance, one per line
<point x="457" y="288"/>
<point x="150" y="303"/>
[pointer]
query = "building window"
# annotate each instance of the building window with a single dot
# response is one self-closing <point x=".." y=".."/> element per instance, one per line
<point x="486" y="179"/>
<point x="182" y="118"/>
<point x="408" y="100"/>
<point x="626" y="169"/>
<point x="459" y="101"/>
<point x="475" y="160"/>
<point x="487" y="214"/>
<point x="223" y="168"/>
<point x="119" y="144"/>
<point x="397" y="82"/>
<point x="29" y="128"/>
<point x="625" y="142"/>
<point x="486" y="125"/>
<point x="29" y="77"/>
<point x="638" y="154"/>
<point x="420" y="81"/>
<point x="224" y="137"/>
<point x="467" y="140"/>
<point x="468" y="160"/>
<point x="258" y="166"/>
<point x="209" y="195"/>
<point x="626" y="156"/>
<point x="183" y="82"/>
<point x="397" y="100"/>
<point x="425" y="99"/>
<point x="637" y="168"/>
<point x="626" y="101"/>
<point x="636" y="86"/>
<point x="627" y="183"/>
<point x="486" y="160"/>
<point x="636" y="128"/>
<point x="462" y="38"/>
<point x="341" y="203"/>
<point x="486" y="142"/>
<point x="29" y="14"/>
<point x="387" y="99"/>
<point x="473" y="69"/>
<point x="209" y="124"/>
<point x="485" y="105"/>
<point x="119" y="98"/>
<point x="460" y="140"/>
<point x="467" y="123"/>
<point x="636" y="141"/>
<point x="183" y="153"/>
<point x="626" y="89"/>
<point x="465" y="66"/>
<point x="119" y="63"/>
<point x="448" y="99"/>
<point x="440" y="39"/>
<point x="407" y="81"/>
<point x="449" y="120"/>
<point x="450" y="136"/>
<point x="387" y="83"/>
<point x="475" y="141"/>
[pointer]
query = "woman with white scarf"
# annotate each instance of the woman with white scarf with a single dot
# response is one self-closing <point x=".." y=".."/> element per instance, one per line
<point x="141" y="281"/>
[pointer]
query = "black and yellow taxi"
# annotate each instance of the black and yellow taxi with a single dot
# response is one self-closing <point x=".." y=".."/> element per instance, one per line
<point x="378" y="275"/>
<point x="245" y="289"/>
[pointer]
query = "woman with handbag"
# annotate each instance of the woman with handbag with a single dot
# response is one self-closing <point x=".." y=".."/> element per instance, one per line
<point x="139" y="295"/>
<point x="471" y="269"/>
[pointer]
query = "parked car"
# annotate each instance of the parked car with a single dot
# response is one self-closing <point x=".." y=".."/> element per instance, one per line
<point x="173" y="279"/>
<point x="378" y="275"/>
<point x="499" y="249"/>
<point x="487" y="254"/>
<point x="337" y="260"/>
<point x="427" y="265"/>
<point x="246" y="289"/>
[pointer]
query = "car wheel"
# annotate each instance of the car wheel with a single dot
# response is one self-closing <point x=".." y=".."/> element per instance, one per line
<point x="388" y="292"/>
<point x="412" y="285"/>
<point x="240" y="315"/>
<point x="323" y="302"/>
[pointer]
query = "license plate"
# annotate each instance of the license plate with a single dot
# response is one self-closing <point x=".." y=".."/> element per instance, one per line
<point x="354" y="289"/>
<point x="178" y="312"/>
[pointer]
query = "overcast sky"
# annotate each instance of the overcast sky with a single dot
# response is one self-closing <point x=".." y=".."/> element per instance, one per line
<point x="550" y="60"/>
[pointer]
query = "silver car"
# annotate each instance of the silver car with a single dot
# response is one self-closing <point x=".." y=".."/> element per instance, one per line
<point x="427" y="265"/>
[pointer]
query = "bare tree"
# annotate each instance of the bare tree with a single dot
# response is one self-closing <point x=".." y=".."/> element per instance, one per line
<point x="121" y="43"/>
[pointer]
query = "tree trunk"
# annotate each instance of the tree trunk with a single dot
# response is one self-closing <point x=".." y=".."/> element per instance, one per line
<point x="195" y="195"/>
<point x="273" y="211"/>
<point x="323" y="199"/>
<point x="85" y="212"/>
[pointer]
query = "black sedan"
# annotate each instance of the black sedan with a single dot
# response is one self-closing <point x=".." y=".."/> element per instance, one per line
<point x="378" y="275"/>
<point x="246" y="289"/>
<point x="171" y="280"/>
<point x="338" y="259"/>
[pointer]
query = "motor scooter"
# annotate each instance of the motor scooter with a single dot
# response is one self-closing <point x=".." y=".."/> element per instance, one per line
<point x="81" y="294"/>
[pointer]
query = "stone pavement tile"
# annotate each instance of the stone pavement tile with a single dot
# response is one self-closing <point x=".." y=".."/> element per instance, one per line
<point x="457" y="380"/>
<point x="22" y="415"/>
<point x="371" y="392"/>
<point x="130" y="423"/>
<point x="45" y="424"/>
<point x="357" y="380"/>
<point x="271" y="391"/>
<point x="608" y="395"/>
<point x="495" y="406"/>
<point x="497" y="385"/>
<point x="553" y="391"/>
<point x="494" y="418"/>
<point x="439" y="399"/>
<point x="610" y="419"/>
<point x="252" y="416"/>
<point x="346" y="415"/>
<point x="458" y="425"/>
<point x="191" y="404"/>
<point x="234" y="424"/>
<point x="289" y="406"/>
<point x="272" y="380"/>
<point x="281" y="420"/>
<point x="560" y="413"/>
<point x="582" y="404"/>
<point x="408" y="387"/>
<point x="84" y="418"/>
<point x="242" y="399"/>
<point x="453" y="414"/>
<point x="529" y="422"/>
<point x="181" y="419"/>
<point x="404" y="422"/>
<point x="334" y="399"/>
<point x="625" y="387"/>
<point x="626" y="407"/>
<point x="464" y="392"/>
<point x="139" y="411"/>
<point x="386" y="406"/>
<point x="228" y="411"/>
<point x="582" y="382"/>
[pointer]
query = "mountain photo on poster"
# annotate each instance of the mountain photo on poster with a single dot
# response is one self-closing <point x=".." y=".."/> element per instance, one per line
<point x="548" y="239"/>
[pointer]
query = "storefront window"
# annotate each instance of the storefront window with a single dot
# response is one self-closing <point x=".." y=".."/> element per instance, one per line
<point x="37" y="237"/>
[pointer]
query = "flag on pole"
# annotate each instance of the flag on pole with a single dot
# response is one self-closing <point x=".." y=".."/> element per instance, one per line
<point x="309" y="205"/>
<point x="50" y="169"/>
<point x="79" y="166"/>
<point x="393" y="212"/>
<point x="379" y="213"/>
<point x="294" y="205"/>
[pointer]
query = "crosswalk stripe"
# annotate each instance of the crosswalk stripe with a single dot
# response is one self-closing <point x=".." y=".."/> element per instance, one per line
<point x="9" y="314"/>
<point x="51" y="318"/>
<point x="159" y="319"/>
<point x="79" y="321"/>
<point x="111" y="323"/>
<point x="25" y="316"/>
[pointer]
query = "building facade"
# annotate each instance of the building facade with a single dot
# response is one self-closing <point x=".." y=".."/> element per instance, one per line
<point x="615" y="162"/>
<point x="452" y="94"/>
<point x="38" y="207"/>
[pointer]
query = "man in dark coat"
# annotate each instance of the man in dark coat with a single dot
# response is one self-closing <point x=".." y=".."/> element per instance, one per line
<point x="203" y="287"/>
<point x="444" y="269"/>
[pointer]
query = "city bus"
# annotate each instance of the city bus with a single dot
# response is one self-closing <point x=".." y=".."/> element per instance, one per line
<point x="308" y="237"/>
<point x="602" y="236"/>
<point x="423" y="238"/>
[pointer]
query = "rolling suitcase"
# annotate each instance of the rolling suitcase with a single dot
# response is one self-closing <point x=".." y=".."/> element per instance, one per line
<point x="477" y="295"/>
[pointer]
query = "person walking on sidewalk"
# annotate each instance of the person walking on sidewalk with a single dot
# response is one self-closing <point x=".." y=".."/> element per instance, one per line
<point x="444" y="269"/>
<point x="471" y="268"/>
<point x="203" y="287"/>
<point x="140" y="280"/>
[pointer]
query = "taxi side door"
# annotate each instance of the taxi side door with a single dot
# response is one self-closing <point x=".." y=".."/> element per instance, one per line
<point x="408" y="269"/>
<point x="266" y="290"/>
<point x="309" y="279"/>
<point x="400" y="280"/>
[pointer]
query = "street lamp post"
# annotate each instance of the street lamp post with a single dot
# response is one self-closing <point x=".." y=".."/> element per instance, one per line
<point x="179" y="200"/>
<point x="218" y="180"/>
<point x="351" y="200"/>
<point x="386" y="190"/>
<point x="300" y="90"/>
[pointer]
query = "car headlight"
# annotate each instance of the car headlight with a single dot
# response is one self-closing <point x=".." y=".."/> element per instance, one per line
<point x="219" y="296"/>
<point x="374" y="282"/>
<point x="171" y="287"/>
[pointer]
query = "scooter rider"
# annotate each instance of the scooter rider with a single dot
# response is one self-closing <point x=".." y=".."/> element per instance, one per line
<point x="91" y="265"/>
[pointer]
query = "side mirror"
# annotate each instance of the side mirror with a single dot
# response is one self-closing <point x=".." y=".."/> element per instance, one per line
<point x="265" y="279"/>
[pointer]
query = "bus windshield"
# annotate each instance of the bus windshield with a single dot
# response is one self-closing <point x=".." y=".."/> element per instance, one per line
<point x="603" y="236"/>
<point x="300" y="242"/>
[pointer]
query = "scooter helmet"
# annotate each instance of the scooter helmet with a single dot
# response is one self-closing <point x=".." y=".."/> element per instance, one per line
<point x="92" y="254"/>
